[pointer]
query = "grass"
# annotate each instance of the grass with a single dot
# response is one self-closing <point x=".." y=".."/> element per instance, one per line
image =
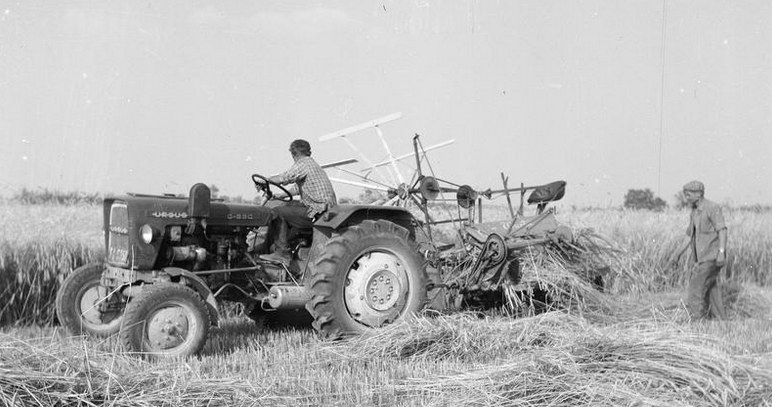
<point x="651" y="238"/>
<point x="39" y="246"/>
<point x="551" y="359"/>
<point x="634" y="345"/>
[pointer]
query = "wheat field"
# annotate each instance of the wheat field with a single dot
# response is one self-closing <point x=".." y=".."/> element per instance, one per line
<point x="639" y="349"/>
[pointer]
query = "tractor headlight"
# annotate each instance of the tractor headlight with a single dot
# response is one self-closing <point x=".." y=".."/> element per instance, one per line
<point x="146" y="233"/>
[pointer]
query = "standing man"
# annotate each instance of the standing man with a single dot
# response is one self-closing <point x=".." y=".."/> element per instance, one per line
<point x="316" y="196"/>
<point x="707" y="242"/>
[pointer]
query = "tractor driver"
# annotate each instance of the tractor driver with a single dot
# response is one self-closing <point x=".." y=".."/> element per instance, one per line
<point x="316" y="196"/>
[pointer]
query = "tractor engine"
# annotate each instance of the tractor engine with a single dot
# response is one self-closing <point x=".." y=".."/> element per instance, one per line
<point x="201" y="252"/>
<point x="149" y="233"/>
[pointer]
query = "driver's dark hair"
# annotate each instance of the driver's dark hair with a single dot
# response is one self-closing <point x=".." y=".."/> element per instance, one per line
<point x="301" y="147"/>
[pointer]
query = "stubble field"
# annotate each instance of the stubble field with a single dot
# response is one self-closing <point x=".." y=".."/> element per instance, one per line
<point x="639" y="348"/>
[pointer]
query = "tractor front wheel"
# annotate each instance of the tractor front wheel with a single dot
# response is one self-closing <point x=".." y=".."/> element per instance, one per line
<point x="369" y="276"/>
<point x="166" y="320"/>
<point x="83" y="305"/>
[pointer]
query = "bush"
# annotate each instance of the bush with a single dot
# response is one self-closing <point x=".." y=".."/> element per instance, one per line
<point x="43" y="196"/>
<point x="643" y="199"/>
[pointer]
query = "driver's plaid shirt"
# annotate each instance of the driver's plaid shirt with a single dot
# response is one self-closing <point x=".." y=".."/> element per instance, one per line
<point x="315" y="188"/>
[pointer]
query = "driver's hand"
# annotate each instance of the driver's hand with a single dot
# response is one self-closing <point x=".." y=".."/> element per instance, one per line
<point x="261" y="197"/>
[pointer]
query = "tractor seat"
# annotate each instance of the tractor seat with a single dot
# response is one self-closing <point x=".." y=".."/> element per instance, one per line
<point x="551" y="192"/>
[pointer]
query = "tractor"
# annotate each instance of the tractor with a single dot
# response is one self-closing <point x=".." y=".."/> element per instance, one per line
<point x="171" y="261"/>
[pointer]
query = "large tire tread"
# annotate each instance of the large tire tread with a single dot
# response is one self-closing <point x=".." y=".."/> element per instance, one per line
<point x="326" y="303"/>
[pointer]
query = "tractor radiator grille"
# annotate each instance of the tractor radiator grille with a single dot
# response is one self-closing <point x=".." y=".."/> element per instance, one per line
<point x="118" y="241"/>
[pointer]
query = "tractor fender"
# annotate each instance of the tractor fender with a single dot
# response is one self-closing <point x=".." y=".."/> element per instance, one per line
<point x="340" y="216"/>
<point x="196" y="283"/>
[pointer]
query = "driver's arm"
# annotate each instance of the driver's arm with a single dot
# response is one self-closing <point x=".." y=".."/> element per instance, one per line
<point x="292" y="175"/>
<point x="276" y="179"/>
<point x="292" y="189"/>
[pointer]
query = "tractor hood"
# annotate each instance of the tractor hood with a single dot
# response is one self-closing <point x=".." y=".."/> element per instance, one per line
<point x="124" y="216"/>
<point x="175" y="210"/>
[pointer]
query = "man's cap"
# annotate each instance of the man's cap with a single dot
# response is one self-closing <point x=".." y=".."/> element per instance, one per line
<point x="694" y="186"/>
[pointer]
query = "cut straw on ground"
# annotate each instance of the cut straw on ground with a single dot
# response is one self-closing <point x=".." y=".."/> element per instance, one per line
<point x="560" y="359"/>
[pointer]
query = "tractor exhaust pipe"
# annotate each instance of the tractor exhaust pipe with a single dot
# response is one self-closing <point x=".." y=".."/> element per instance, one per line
<point x="287" y="297"/>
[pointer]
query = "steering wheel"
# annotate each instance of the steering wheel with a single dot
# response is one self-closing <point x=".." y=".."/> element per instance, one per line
<point x="262" y="183"/>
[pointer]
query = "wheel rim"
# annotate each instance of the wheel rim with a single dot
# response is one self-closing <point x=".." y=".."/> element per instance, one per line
<point x="91" y="298"/>
<point x="376" y="288"/>
<point x="170" y="326"/>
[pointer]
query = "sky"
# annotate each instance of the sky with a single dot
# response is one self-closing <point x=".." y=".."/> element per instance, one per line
<point x="608" y="95"/>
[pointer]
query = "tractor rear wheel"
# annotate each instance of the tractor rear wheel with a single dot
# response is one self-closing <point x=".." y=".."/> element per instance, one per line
<point x="166" y="320"/>
<point x="368" y="276"/>
<point x="83" y="306"/>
